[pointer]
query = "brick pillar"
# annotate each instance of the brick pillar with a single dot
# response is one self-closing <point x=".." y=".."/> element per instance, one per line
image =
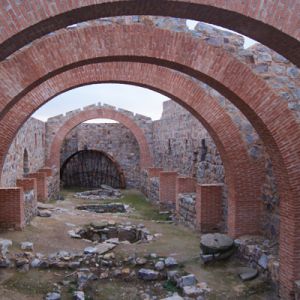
<point x="28" y="184"/>
<point x="46" y="170"/>
<point x="184" y="185"/>
<point x="167" y="187"/>
<point x="154" y="172"/>
<point x="42" y="188"/>
<point x="209" y="206"/>
<point x="12" y="208"/>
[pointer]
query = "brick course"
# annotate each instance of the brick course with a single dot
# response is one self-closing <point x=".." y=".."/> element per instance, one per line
<point x="12" y="208"/>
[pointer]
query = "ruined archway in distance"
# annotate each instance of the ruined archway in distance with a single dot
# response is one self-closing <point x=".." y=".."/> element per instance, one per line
<point x="53" y="160"/>
<point x="215" y="67"/>
<point x="92" y="168"/>
<point x="273" y="23"/>
<point x="189" y="94"/>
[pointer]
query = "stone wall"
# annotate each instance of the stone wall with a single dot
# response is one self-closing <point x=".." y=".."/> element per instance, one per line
<point x="31" y="137"/>
<point x="181" y="143"/>
<point x="186" y="213"/>
<point x="113" y="139"/>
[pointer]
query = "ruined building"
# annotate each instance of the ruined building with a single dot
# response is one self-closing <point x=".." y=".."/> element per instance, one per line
<point x="225" y="154"/>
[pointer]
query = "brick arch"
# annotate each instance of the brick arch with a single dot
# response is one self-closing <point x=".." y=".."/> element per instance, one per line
<point x="45" y="58"/>
<point x="189" y="94"/>
<point x="273" y="23"/>
<point x="99" y="113"/>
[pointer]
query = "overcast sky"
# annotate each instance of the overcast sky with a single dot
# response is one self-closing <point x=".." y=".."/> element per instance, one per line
<point x="135" y="99"/>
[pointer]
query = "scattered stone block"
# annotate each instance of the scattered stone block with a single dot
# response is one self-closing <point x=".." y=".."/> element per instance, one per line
<point x="28" y="246"/>
<point x="148" y="274"/>
<point x="215" y="242"/>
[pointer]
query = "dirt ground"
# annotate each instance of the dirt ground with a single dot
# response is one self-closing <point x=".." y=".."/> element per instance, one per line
<point x="50" y="235"/>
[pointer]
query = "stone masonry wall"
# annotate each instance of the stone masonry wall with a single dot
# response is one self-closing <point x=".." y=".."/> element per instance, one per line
<point x="32" y="138"/>
<point x="113" y="139"/>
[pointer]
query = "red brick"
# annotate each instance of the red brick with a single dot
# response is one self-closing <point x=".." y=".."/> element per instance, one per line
<point x="12" y="214"/>
<point x="209" y="207"/>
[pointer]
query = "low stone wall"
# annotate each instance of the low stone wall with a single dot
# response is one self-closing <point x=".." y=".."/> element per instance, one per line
<point x="186" y="213"/>
<point x="153" y="192"/>
<point x="30" y="205"/>
<point x="261" y="254"/>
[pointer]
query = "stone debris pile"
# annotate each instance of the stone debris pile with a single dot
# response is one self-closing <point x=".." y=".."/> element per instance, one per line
<point x="105" y="208"/>
<point x="105" y="192"/>
<point x="44" y="210"/>
<point x="262" y="254"/>
<point x="111" y="232"/>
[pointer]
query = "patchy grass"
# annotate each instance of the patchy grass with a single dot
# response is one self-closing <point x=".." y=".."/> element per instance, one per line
<point x="38" y="283"/>
<point x="144" y="207"/>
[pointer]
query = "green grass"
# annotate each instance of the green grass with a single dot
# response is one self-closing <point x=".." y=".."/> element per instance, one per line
<point x="144" y="207"/>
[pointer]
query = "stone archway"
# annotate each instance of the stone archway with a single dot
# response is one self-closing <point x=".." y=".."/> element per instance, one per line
<point x="69" y="124"/>
<point x="90" y="169"/>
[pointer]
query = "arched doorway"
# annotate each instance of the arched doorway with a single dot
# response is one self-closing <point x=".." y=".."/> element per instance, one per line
<point x="90" y="169"/>
<point x="25" y="162"/>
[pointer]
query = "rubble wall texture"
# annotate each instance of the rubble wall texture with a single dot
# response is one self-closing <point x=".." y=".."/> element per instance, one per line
<point x="32" y="138"/>
<point x="113" y="139"/>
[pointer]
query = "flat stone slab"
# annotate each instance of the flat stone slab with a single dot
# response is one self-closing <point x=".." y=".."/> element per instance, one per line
<point x="100" y="248"/>
<point x="248" y="274"/>
<point x="46" y="206"/>
<point x="148" y="274"/>
<point x="215" y="242"/>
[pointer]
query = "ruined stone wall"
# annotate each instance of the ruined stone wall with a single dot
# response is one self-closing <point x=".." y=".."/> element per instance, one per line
<point x="32" y="138"/>
<point x="181" y="143"/>
<point x="113" y="139"/>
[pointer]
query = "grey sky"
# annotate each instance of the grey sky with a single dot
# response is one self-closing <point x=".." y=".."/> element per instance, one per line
<point x="135" y="99"/>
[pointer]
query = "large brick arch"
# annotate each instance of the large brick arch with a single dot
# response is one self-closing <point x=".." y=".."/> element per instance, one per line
<point x="273" y="23"/>
<point x="244" y="188"/>
<point x="99" y="113"/>
<point x="179" y="51"/>
<point x="188" y="93"/>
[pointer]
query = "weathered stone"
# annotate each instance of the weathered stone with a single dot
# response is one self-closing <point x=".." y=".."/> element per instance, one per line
<point x="28" y="246"/>
<point x="160" y="265"/>
<point x="187" y="280"/>
<point x="148" y="274"/>
<point x="248" y="274"/>
<point x="263" y="261"/>
<point x="173" y="297"/>
<point x="170" y="262"/>
<point x="53" y="296"/>
<point x="192" y="291"/>
<point x="99" y="249"/>
<point x="44" y="213"/>
<point x="4" y="245"/>
<point x="215" y="242"/>
<point x="78" y="295"/>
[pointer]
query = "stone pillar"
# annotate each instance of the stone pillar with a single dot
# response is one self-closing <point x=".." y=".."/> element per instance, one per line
<point x="209" y="206"/>
<point x="12" y="208"/>
<point x="167" y="188"/>
<point x="184" y="185"/>
<point x="29" y="186"/>
<point x="42" y="187"/>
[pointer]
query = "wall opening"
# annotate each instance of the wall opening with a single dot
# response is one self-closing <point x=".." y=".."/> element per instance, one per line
<point x="25" y="163"/>
<point x="90" y="169"/>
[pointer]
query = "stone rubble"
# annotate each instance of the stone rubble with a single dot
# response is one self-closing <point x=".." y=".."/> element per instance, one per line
<point x="105" y="192"/>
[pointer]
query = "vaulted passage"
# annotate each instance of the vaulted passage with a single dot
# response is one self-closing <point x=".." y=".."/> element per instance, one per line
<point x="220" y="155"/>
<point x="90" y="169"/>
